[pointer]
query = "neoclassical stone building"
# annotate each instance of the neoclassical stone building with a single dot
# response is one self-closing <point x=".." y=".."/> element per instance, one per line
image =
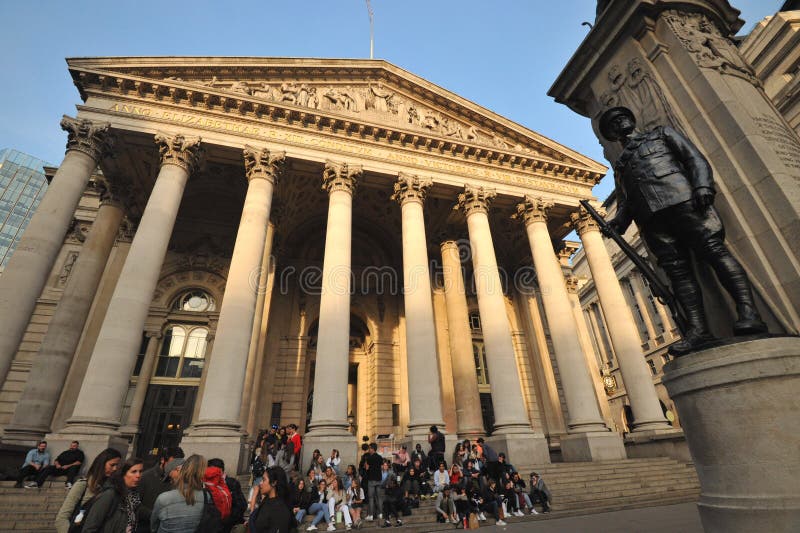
<point x="234" y="242"/>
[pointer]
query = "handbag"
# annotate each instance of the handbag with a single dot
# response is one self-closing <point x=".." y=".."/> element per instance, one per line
<point x="473" y="521"/>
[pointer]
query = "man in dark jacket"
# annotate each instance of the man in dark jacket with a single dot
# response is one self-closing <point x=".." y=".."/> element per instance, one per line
<point x="154" y="481"/>
<point x="665" y="185"/>
<point x="374" y="475"/>
<point x="238" y="502"/>
<point x="436" y="455"/>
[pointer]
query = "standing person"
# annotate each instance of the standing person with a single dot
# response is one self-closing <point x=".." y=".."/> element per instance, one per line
<point x="155" y="481"/>
<point x="273" y="514"/>
<point x="373" y="468"/>
<point x="214" y="481"/>
<point x="493" y="465"/>
<point x="238" y="502"/>
<point x="83" y="490"/>
<point x="115" y="509"/>
<point x="297" y="441"/>
<point x="180" y="510"/>
<point x="436" y="455"/>
<point x="68" y="463"/>
<point x="539" y="492"/>
<point x="37" y="459"/>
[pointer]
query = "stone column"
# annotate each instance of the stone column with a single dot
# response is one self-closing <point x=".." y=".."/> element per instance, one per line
<point x="639" y="292"/>
<point x="512" y="424"/>
<point x="217" y="432"/>
<point x="140" y="393"/>
<point x="32" y="416"/>
<point x="99" y="405"/>
<point x="26" y="273"/>
<point x="329" y="425"/>
<point x="468" y="405"/>
<point x="622" y="329"/>
<point x="598" y="335"/>
<point x="424" y="389"/>
<point x="252" y="371"/>
<point x="589" y="439"/>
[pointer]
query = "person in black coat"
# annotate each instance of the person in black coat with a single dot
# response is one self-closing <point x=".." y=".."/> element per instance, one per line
<point x="393" y="502"/>
<point x="273" y="514"/>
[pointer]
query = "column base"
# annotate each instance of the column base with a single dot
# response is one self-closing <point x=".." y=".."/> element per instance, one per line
<point x="652" y="427"/>
<point x="605" y="446"/>
<point x="669" y="443"/>
<point x="343" y="441"/>
<point x="22" y="436"/>
<point x="738" y="405"/>
<point x="222" y="441"/>
<point x="522" y="449"/>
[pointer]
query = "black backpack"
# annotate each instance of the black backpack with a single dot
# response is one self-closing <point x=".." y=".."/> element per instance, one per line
<point x="77" y="528"/>
<point x="211" y="521"/>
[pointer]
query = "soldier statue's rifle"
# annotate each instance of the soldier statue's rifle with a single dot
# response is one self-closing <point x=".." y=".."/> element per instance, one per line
<point x="659" y="290"/>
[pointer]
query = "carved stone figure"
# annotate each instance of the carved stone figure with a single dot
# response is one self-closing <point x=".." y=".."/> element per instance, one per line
<point x="381" y="98"/>
<point x="451" y="128"/>
<point x="240" y="87"/>
<point x="666" y="186"/>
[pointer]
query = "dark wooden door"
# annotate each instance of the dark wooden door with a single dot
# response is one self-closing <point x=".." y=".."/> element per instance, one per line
<point x="166" y="414"/>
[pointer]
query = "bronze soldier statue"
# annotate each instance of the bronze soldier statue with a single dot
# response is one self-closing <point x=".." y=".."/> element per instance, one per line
<point x="665" y="185"/>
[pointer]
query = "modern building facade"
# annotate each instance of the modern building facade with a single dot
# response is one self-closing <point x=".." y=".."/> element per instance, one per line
<point x="22" y="186"/>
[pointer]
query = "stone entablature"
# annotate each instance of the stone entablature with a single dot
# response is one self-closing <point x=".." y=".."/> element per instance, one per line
<point x="441" y="139"/>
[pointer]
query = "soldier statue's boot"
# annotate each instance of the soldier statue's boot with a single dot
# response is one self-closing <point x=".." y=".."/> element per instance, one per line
<point x="688" y="295"/>
<point x="749" y="321"/>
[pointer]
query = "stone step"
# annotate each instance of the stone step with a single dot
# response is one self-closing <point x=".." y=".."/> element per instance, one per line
<point x="613" y="480"/>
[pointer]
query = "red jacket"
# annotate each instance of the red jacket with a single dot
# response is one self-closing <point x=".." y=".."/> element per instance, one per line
<point x="296" y="441"/>
<point x="215" y="483"/>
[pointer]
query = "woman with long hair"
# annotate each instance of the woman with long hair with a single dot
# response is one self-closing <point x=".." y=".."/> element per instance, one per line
<point x="349" y="476"/>
<point x="181" y="509"/>
<point x="273" y="514"/>
<point x="459" y="454"/>
<point x="103" y="466"/>
<point x="355" y="501"/>
<point x="301" y="500"/>
<point x="337" y="502"/>
<point x="114" y="510"/>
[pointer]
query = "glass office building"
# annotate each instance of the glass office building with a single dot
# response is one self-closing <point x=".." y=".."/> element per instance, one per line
<point x="22" y="186"/>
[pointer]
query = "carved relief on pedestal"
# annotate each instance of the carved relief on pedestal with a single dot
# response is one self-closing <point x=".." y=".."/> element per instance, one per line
<point x="66" y="269"/>
<point x="635" y="88"/>
<point x="709" y="48"/>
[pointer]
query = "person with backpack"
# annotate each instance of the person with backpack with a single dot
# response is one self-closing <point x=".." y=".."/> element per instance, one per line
<point x="238" y="503"/>
<point x="83" y="490"/>
<point x="114" y="509"/>
<point x="181" y="509"/>
<point x="273" y="514"/>
<point x="214" y="480"/>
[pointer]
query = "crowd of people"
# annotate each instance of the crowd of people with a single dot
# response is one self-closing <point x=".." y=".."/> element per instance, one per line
<point x="188" y="494"/>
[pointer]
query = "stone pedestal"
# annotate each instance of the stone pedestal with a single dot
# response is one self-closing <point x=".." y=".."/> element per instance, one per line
<point x="594" y="446"/>
<point x="349" y="448"/>
<point x="739" y="407"/>
<point x="522" y="449"/>
<point x="90" y="444"/>
<point x="211" y="442"/>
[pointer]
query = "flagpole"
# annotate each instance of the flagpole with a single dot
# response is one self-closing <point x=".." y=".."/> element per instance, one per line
<point x="371" y="31"/>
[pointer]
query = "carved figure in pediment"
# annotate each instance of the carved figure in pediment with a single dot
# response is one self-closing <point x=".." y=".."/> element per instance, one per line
<point x="430" y="121"/>
<point x="289" y="93"/>
<point x="313" y="101"/>
<point x="240" y="87"/>
<point x="413" y="116"/>
<point x="265" y="91"/>
<point x="210" y="83"/>
<point x="302" y="95"/>
<point x="500" y="142"/>
<point x="451" y="128"/>
<point x="380" y="99"/>
<point x="341" y="100"/>
<point x="472" y="133"/>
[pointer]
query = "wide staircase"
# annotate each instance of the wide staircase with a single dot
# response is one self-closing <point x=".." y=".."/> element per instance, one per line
<point x="577" y="488"/>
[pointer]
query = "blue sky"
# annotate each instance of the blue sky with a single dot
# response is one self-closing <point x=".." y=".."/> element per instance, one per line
<point x="501" y="54"/>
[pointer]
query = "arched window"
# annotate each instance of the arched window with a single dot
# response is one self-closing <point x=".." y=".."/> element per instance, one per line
<point x="195" y="300"/>
<point x="183" y="352"/>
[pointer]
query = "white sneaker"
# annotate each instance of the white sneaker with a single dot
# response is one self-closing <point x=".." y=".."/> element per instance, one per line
<point x="481" y="517"/>
<point x="518" y="513"/>
<point x="534" y="511"/>
<point x="331" y="527"/>
<point x="380" y="516"/>
<point x="68" y="485"/>
<point x="31" y="485"/>
<point x="500" y="523"/>
<point x="312" y="527"/>
<point x="369" y="518"/>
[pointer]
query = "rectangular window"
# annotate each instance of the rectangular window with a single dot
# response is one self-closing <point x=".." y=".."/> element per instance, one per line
<point x="275" y="415"/>
<point x="395" y="414"/>
<point x="652" y="366"/>
<point x="140" y="355"/>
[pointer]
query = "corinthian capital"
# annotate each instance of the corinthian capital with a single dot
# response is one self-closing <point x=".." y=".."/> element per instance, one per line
<point x="260" y="163"/>
<point x="533" y="210"/>
<point x="475" y="199"/>
<point x="582" y="221"/>
<point x="340" y="176"/>
<point x="115" y="190"/>
<point x="88" y="137"/>
<point x="179" y="150"/>
<point x="409" y="188"/>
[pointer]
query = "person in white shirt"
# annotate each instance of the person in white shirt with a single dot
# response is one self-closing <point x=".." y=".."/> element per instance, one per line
<point x="441" y="478"/>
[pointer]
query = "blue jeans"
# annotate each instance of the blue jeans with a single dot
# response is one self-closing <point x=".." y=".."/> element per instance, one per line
<point x="300" y="515"/>
<point x="322" y="511"/>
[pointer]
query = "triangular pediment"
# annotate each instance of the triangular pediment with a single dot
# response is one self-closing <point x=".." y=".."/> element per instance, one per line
<point x="359" y="93"/>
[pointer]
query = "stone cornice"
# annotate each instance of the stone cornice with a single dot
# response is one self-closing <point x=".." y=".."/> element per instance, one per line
<point x="410" y="188"/>
<point x="262" y="163"/>
<point x="552" y="158"/>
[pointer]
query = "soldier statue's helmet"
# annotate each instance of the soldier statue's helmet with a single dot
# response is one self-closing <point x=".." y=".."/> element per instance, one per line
<point x="604" y="124"/>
